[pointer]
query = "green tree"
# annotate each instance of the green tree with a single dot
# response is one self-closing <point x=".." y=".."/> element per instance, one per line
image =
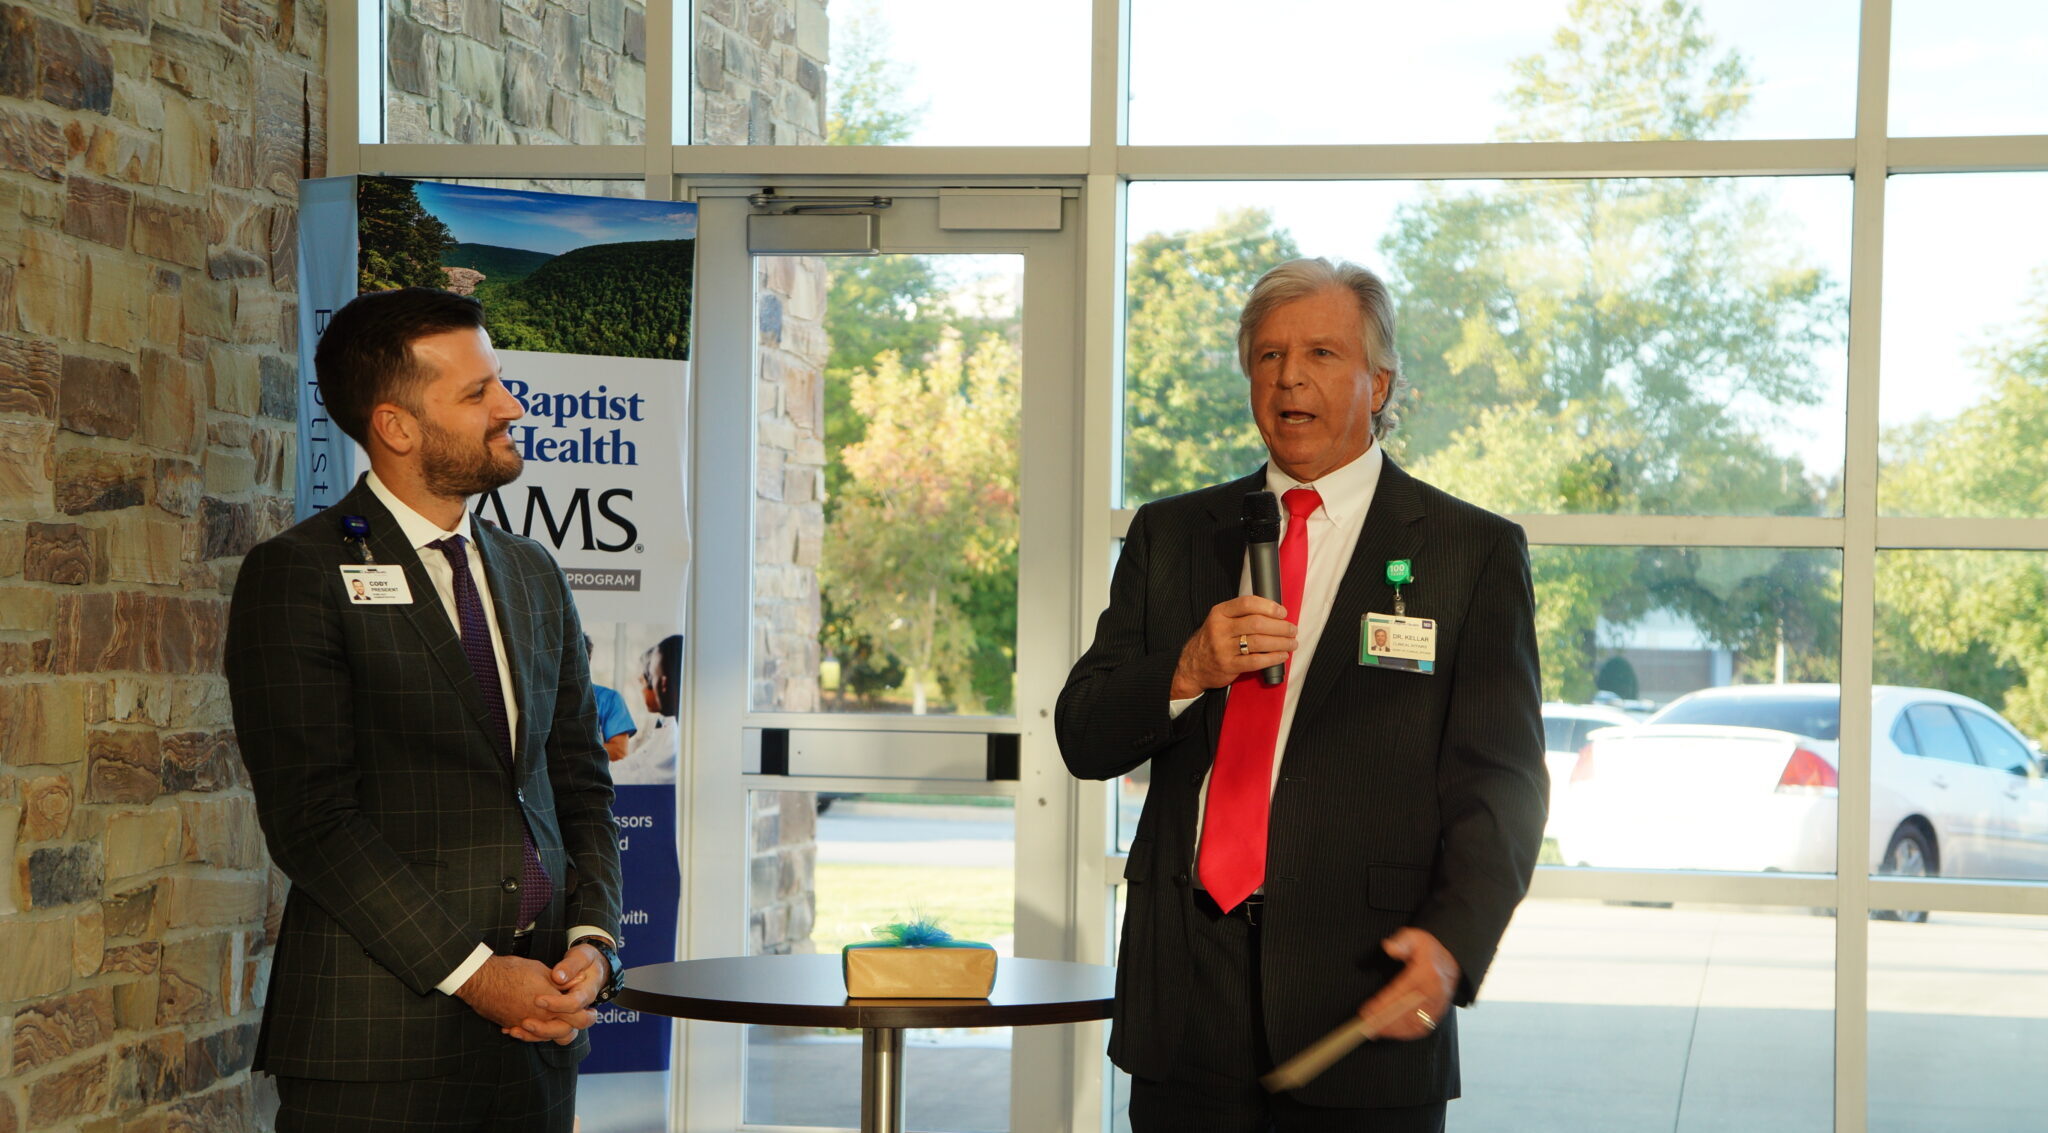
<point x="929" y="514"/>
<point x="1970" y="621"/>
<point x="1187" y="418"/>
<point x="865" y="105"/>
<point x="1622" y="345"/>
<point x="401" y="243"/>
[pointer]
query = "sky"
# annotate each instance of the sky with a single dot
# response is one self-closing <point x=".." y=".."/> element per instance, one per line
<point x="547" y="222"/>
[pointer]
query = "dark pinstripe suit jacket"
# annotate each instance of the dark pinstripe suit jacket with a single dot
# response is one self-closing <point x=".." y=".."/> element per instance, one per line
<point x="386" y="801"/>
<point x="1403" y="799"/>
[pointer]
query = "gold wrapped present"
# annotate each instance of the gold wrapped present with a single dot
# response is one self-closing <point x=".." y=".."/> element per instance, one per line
<point x="954" y="969"/>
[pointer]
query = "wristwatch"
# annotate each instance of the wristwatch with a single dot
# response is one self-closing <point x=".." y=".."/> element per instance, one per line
<point x="615" y="972"/>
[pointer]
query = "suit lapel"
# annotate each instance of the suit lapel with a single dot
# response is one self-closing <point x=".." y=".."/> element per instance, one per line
<point x="428" y="615"/>
<point x="513" y="607"/>
<point x="1390" y="532"/>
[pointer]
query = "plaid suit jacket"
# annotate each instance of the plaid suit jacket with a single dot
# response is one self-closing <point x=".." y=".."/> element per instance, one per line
<point x="1403" y="799"/>
<point x="386" y="802"/>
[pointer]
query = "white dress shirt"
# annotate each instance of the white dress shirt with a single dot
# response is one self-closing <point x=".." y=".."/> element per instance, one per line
<point x="422" y="533"/>
<point x="1332" y="536"/>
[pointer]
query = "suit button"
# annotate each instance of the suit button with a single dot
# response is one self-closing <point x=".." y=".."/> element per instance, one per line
<point x="509" y="885"/>
<point x="521" y="796"/>
<point x="1145" y="740"/>
<point x="1180" y="879"/>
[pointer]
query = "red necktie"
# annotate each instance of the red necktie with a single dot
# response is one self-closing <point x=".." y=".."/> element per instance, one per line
<point x="1232" y="862"/>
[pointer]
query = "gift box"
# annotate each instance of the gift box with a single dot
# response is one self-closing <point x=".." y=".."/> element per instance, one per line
<point x="918" y="961"/>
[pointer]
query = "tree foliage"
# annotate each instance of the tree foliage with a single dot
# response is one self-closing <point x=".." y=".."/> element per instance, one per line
<point x="400" y="243"/>
<point x="1596" y="346"/>
<point x="1187" y="422"/>
<point x="866" y="105"/>
<point x="1971" y="621"/>
<point x="629" y="299"/>
<point x="1621" y="345"/>
<point x="929" y="513"/>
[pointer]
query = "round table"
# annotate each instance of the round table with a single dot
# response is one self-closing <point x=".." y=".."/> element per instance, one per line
<point x="810" y="991"/>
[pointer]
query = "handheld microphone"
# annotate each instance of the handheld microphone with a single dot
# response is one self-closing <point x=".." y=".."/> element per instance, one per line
<point x="1262" y="543"/>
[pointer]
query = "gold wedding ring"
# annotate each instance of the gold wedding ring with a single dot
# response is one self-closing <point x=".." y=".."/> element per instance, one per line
<point x="1428" y="1020"/>
<point x="1244" y="644"/>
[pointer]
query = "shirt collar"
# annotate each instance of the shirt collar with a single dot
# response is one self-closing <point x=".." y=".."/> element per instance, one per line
<point x="1346" y="493"/>
<point x="419" y="530"/>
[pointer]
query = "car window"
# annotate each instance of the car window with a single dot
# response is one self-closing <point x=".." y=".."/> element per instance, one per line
<point x="1996" y="746"/>
<point x="1940" y="735"/>
<point x="1819" y="717"/>
<point x="1557" y="733"/>
<point x="1584" y="728"/>
<point x="1902" y="737"/>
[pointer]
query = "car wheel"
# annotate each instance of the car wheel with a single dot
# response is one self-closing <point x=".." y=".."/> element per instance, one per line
<point x="1910" y="854"/>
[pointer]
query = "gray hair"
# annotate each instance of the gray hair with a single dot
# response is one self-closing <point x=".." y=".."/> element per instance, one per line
<point x="1299" y="279"/>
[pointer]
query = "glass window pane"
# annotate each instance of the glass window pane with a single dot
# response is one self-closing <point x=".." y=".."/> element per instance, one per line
<point x="1709" y="676"/>
<point x="1620" y="346"/>
<point x="1977" y="68"/>
<point x="886" y="495"/>
<point x="826" y="869"/>
<point x="1938" y="735"/>
<point x="1500" y="70"/>
<point x="1958" y="647"/>
<point x="1614" y="1019"/>
<point x="893" y="72"/>
<point x="1958" y="1021"/>
<point x="1996" y="747"/>
<point x="485" y="72"/>
<point x="1964" y="396"/>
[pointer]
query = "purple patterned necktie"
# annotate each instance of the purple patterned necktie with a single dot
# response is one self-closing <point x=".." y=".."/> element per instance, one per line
<point x="536" y="888"/>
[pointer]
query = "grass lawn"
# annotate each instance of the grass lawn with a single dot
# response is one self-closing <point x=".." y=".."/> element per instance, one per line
<point x="972" y="903"/>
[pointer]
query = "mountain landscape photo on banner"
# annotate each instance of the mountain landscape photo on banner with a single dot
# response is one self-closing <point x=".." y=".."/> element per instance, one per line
<point x="556" y="273"/>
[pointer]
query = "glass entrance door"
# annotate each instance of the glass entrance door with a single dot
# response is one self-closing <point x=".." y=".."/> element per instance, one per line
<point x="886" y="536"/>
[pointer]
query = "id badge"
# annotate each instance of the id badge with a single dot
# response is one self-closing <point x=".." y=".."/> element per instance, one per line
<point x="372" y="585"/>
<point x="1388" y="641"/>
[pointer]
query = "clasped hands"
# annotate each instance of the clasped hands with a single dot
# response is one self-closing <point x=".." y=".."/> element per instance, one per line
<point x="534" y="1003"/>
<point x="1214" y="657"/>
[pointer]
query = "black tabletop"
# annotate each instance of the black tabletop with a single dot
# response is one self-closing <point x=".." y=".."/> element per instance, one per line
<point x="809" y="991"/>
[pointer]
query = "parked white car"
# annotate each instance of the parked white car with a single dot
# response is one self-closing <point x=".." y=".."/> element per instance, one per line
<point x="1744" y="778"/>
<point x="1565" y="728"/>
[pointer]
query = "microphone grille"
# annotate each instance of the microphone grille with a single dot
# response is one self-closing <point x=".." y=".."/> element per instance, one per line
<point x="1261" y="517"/>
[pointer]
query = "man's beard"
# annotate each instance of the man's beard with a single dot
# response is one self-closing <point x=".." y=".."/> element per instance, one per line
<point x="452" y="468"/>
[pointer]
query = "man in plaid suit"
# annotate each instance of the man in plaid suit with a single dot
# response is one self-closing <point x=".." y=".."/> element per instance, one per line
<point x="425" y="760"/>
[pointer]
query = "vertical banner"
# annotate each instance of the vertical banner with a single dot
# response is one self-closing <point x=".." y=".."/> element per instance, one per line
<point x="327" y="279"/>
<point x="587" y="301"/>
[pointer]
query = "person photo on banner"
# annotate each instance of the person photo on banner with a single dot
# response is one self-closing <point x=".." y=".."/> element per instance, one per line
<point x="615" y="724"/>
<point x="653" y="755"/>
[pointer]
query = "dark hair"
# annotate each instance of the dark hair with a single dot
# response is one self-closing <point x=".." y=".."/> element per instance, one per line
<point x="365" y="355"/>
<point x="660" y="667"/>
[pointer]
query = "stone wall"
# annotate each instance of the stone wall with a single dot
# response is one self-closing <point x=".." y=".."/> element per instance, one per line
<point x="760" y="80"/>
<point x="760" y="72"/>
<point x="501" y="72"/>
<point x="149" y="154"/>
<point x="782" y="902"/>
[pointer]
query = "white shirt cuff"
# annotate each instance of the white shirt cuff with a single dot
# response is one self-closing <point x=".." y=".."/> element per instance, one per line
<point x="1175" y="707"/>
<point x="461" y="975"/>
<point x="583" y="930"/>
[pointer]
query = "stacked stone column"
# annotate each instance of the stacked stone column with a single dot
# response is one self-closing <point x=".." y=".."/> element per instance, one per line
<point x="149" y="160"/>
